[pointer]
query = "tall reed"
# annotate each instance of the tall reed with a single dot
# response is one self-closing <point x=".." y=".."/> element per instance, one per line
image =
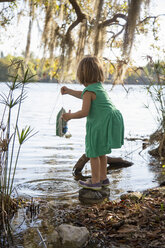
<point x="10" y="134"/>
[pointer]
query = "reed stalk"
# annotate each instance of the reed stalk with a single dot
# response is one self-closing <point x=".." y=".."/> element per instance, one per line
<point x="9" y="157"/>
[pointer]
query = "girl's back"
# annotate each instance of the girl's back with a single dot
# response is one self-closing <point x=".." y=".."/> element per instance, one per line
<point x="102" y="105"/>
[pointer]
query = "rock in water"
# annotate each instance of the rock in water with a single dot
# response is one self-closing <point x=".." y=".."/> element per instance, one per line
<point x="93" y="196"/>
<point x="73" y="236"/>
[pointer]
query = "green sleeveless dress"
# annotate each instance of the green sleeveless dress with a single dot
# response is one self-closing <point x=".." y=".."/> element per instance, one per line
<point x="104" y="126"/>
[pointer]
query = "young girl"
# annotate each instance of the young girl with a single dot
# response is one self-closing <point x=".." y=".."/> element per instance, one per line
<point x="104" y="127"/>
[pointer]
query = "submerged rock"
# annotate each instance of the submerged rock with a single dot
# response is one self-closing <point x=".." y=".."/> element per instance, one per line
<point x="91" y="196"/>
<point x="73" y="236"/>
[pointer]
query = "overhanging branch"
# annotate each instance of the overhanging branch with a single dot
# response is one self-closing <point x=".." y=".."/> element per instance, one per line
<point x="113" y="20"/>
<point x="150" y="17"/>
<point x="76" y="7"/>
<point x="80" y="17"/>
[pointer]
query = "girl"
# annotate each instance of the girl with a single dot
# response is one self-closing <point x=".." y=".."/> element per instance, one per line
<point x="104" y="127"/>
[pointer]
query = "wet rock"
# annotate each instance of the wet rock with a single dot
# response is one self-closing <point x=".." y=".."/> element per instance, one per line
<point x="162" y="184"/>
<point x="105" y="192"/>
<point x="72" y="236"/>
<point x="133" y="196"/>
<point x="91" y="196"/>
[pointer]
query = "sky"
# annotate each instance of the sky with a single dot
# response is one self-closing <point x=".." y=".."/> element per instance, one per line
<point x="13" y="40"/>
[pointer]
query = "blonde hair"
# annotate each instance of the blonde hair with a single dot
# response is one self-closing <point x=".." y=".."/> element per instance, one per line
<point x="90" y="70"/>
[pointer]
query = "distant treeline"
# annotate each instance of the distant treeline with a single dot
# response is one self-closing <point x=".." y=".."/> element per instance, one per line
<point x="46" y="72"/>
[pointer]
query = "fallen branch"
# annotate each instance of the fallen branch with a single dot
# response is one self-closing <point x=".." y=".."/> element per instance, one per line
<point x="114" y="163"/>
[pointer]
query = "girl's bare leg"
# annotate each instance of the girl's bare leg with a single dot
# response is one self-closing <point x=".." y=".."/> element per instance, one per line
<point x="103" y="167"/>
<point x="95" y="167"/>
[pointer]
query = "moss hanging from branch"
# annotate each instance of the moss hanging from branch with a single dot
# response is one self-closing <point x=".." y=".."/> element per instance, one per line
<point x="90" y="22"/>
<point x="28" y="43"/>
<point x="53" y="39"/>
<point x="81" y="41"/>
<point x="133" y="15"/>
<point x="67" y="44"/>
<point x="47" y="27"/>
<point x="120" y="71"/>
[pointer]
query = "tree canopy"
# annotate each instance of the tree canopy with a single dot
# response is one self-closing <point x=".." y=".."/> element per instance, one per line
<point x="74" y="28"/>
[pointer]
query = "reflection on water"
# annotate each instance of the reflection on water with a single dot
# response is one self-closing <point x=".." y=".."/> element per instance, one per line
<point x="46" y="162"/>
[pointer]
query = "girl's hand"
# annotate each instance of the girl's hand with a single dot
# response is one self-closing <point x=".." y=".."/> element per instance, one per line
<point x="64" y="90"/>
<point x="67" y="116"/>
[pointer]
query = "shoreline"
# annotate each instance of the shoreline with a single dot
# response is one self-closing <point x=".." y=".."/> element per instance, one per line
<point x="136" y="221"/>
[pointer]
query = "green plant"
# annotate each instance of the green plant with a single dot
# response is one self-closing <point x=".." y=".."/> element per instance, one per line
<point x="154" y="73"/>
<point x="9" y="135"/>
<point x="162" y="206"/>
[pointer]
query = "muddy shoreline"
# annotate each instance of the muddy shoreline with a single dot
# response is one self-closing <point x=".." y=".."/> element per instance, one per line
<point x="131" y="222"/>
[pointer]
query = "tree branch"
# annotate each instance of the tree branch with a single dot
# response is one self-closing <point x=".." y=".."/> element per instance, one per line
<point x="80" y="16"/>
<point x="72" y="26"/>
<point x="79" y="13"/>
<point x="3" y="1"/>
<point x="150" y="17"/>
<point x="116" y="35"/>
<point x="114" y="19"/>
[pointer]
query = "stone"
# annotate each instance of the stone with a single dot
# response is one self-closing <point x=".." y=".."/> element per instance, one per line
<point x="72" y="236"/>
<point x="53" y="239"/>
<point x="93" y="196"/>
<point x="105" y="192"/>
<point x="133" y="196"/>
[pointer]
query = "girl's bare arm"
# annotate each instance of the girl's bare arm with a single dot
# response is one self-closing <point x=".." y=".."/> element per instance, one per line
<point x="75" y="93"/>
<point x="87" y="98"/>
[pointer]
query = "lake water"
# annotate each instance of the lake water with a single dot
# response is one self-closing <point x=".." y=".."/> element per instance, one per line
<point x="46" y="161"/>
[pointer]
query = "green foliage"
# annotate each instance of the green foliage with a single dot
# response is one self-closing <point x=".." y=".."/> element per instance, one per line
<point x="74" y="28"/>
<point x="7" y="72"/>
<point x="39" y="69"/>
<point x="155" y="74"/>
<point x="25" y="134"/>
<point x="3" y="70"/>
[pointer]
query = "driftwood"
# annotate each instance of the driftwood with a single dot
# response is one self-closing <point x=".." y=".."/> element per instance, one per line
<point x="113" y="163"/>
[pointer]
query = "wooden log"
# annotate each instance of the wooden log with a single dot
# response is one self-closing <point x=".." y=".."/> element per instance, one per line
<point x="114" y="163"/>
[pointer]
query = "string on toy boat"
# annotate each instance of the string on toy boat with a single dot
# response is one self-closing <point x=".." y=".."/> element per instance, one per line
<point x="61" y="124"/>
<point x="52" y="121"/>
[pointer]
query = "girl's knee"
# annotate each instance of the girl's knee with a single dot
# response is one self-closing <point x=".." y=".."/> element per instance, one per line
<point x="102" y="156"/>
